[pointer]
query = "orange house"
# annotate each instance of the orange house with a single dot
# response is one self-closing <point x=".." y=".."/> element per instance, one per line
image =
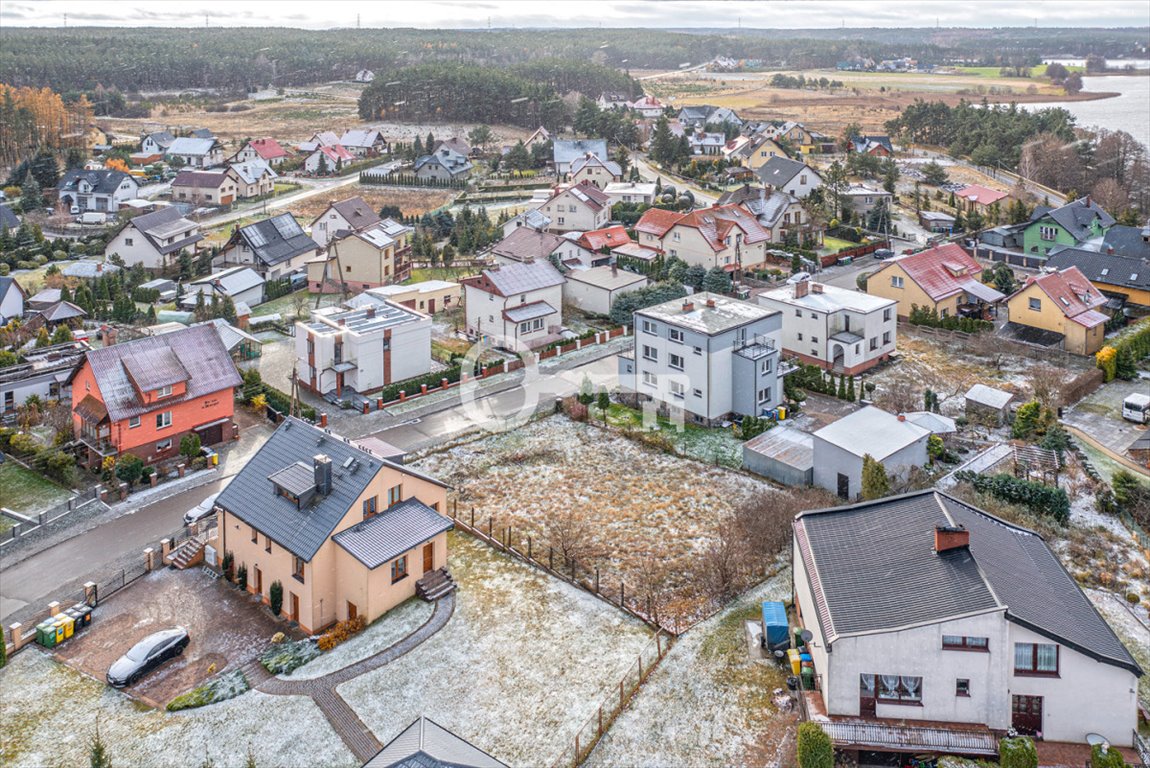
<point x="144" y="396"/>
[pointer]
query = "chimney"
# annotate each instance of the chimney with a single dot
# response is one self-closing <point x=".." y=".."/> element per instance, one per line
<point x="902" y="417"/>
<point x="614" y="270"/>
<point x="950" y="537"/>
<point x="1087" y="203"/>
<point x="801" y="289"/>
<point x="370" y="312"/>
<point x="1110" y="250"/>
<point x="816" y="287"/>
<point x="688" y="305"/>
<point x="710" y="303"/>
<point x="99" y="267"/>
<point x="322" y="474"/>
<point x="342" y="322"/>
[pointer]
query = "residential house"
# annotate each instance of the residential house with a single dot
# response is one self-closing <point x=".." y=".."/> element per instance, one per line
<point x="240" y="344"/>
<point x="59" y="312"/>
<point x="143" y="396"/>
<point x="364" y="142"/>
<point x="539" y="136"/>
<point x="975" y="198"/>
<point x="426" y="743"/>
<point x="44" y="373"/>
<point x="267" y="149"/>
<point x="594" y="170"/>
<point x="726" y="236"/>
<point x="241" y="284"/>
<point x="1072" y="224"/>
<point x="862" y="199"/>
<point x="166" y="290"/>
<point x="525" y="244"/>
<point x="274" y="247"/>
<point x="515" y="305"/>
<point x="613" y="100"/>
<point x="1123" y="240"/>
<point x="794" y="177"/>
<point x="202" y="133"/>
<point x="364" y="76"/>
<point x="326" y="160"/>
<point x="428" y="296"/>
<point x="345" y="533"/>
<point x="595" y="290"/>
<point x="12" y="298"/>
<point x="196" y="152"/>
<point x="945" y="279"/>
<point x="532" y="219"/>
<point x="215" y="188"/>
<point x="1062" y="303"/>
<point x="577" y="208"/>
<point x="100" y="191"/>
<point x="155" y="239"/>
<point x="634" y="255"/>
<point x="1122" y="278"/>
<point x="567" y="151"/>
<point x="839" y="448"/>
<point x="253" y="178"/>
<point x="702" y="142"/>
<point x="879" y="146"/>
<point x="88" y="269"/>
<point x="630" y="192"/>
<point x="837" y="329"/>
<point x="445" y="164"/>
<point x="365" y="258"/>
<point x="991" y="631"/>
<point x="709" y="355"/>
<point x="348" y="215"/>
<point x="648" y="107"/>
<point x="705" y="114"/>
<point x="362" y="350"/>
<point x="455" y="144"/>
<point x="8" y="219"/>
<point x="755" y="152"/>
<point x="156" y="143"/>
<point x="317" y="140"/>
<point x="798" y="136"/>
<point x="781" y="215"/>
<point x="603" y="240"/>
<point x="987" y="405"/>
<point x="43" y="299"/>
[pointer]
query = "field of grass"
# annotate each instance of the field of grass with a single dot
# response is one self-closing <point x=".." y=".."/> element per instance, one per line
<point x="422" y="274"/>
<point x="834" y="244"/>
<point x="713" y="446"/>
<point x="24" y="491"/>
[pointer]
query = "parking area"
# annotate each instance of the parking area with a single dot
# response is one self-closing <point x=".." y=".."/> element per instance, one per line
<point x="227" y="630"/>
<point x="1099" y="415"/>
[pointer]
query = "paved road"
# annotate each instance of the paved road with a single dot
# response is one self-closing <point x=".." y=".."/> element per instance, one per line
<point x="311" y="189"/>
<point x="648" y="171"/>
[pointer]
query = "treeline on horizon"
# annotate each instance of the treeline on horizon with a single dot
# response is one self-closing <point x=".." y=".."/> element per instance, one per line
<point x="135" y="60"/>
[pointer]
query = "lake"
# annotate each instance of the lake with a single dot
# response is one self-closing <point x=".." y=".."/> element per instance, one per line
<point x="1125" y="112"/>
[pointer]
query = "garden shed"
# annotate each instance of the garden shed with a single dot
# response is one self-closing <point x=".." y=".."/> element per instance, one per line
<point x="782" y="454"/>
<point x="988" y="405"/>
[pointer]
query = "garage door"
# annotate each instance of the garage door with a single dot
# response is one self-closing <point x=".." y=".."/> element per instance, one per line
<point x="211" y="434"/>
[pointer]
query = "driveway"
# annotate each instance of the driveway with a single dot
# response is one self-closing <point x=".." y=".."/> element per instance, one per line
<point x="227" y="630"/>
<point x="1099" y="415"/>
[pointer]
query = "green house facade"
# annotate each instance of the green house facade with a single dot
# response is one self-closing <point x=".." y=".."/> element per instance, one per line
<point x="1072" y="224"/>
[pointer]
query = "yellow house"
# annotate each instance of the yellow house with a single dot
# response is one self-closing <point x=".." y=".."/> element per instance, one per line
<point x="361" y="259"/>
<point x="429" y="296"/>
<point x="1065" y="303"/>
<point x="1113" y="274"/>
<point x="344" y="531"/>
<point x="945" y="279"/>
<point x="757" y="153"/>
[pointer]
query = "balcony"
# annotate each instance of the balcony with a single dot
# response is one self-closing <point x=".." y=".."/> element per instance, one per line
<point x="100" y="444"/>
<point x="757" y="347"/>
<point x="963" y="739"/>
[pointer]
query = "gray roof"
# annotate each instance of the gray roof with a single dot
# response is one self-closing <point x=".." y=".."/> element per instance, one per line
<point x="163" y="138"/>
<point x="361" y="137"/>
<point x="62" y="310"/>
<point x="567" y="151"/>
<point x="189" y="145"/>
<point x="448" y="158"/>
<point x="89" y="268"/>
<point x="426" y="744"/>
<point x="232" y="282"/>
<point x="275" y="240"/>
<point x="726" y="314"/>
<point x="400" y="528"/>
<point x="231" y="336"/>
<point x="355" y="211"/>
<point x="251" y="171"/>
<point x="1128" y="241"/>
<point x="8" y="219"/>
<point x="779" y="170"/>
<point x="251" y="497"/>
<point x="102" y="182"/>
<point x="524" y="312"/>
<point x="194" y="353"/>
<point x="7" y="284"/>
<point x="527" y="243"/>
<point x="1077" y="216"/>
<point x="786" y="445"/>
<point x="512" y="279"/>
<point x="1101" y="267"/>
<point x="610" y="165"/>
<point x="989" y="396"/>
<point x="163" y="223"/>
<point x="1005" y="568"/>
<point x="872" y="431"/>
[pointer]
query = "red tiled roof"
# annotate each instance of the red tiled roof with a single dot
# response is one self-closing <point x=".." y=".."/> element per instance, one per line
<point x="604" y="238"/>
<point x="1073" y="294"/>
<point x="981" y="195"/>
<point x="715" y="225"/>
<point x="656" y="221"/>
<point x="337" y="152"/>
<point x="268" y="149"/>
<point x="941" y="271"/>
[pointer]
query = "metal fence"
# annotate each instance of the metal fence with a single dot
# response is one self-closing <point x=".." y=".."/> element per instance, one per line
<point x="613" y="704"/>
<point x="1142" y="746"/>
<point x="50" y="515"/>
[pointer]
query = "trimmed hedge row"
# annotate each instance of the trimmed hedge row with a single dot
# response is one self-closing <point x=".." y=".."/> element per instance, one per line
<point x="1038" y="498"/>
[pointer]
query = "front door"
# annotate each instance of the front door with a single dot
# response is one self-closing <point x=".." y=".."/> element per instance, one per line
<point x="1026" y="714"/>
<point x="866" y="696"/>
<point x="352" y="611"/>
<point x="294" y="603"/>
<point x="431" y="306"/>
<point x="259" y="580"/>
<point x="428" y="556"/>
<point x="844" y="486"/>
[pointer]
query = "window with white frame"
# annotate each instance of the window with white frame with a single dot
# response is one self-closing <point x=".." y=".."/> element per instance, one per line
<point x="676" y="361"/>
<point x="764" y="395"/>
<point x="675" y="334"/>
<point x="651" y="328"/>
<point x="164" y="391"/>
<point x="1048" y="233"/>
<point x="765" y="366"/>
<point x="163" y="445"/>
<point x="896" y="281"/>
<point x="163" y="420"/>
<point x="650" y="353"/>
<point x="899" y="689"/>
<point x="133" y="422"/>
<point x="649" y="379"/>
<point x="677" y="389"/>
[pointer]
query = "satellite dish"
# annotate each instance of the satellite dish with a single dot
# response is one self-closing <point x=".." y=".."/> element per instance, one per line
<point x="807" y="635"/>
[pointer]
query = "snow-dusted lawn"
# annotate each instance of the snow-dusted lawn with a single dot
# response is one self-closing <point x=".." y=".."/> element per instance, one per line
<point x="643" y="516"/>
<point x="523" y="662"/>
<point x="389" y="629"/>
<point x="48" y="713"/>
<point x="708" y="703"/>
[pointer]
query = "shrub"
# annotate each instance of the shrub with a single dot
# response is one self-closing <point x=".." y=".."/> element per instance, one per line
<point x="1107" y="360"/>
<point x="1018" y="752"/>
<point x="1026" y="420"/>
<point x="1111" y="758"/>
<point x="242" y="577"/>
<point x="24" y="444"/>
<point x="1038" y="498"/>
<point x="130" y="468"/>
<point x="341" y="632"/>
<point x="3" y="649"/>
<point x="276" y="597"/>
<point x="226" y="686"/>
<point x="228" y="565"/>
<point x="814" y="747"/>
<point x="190" y="445"/>
<point x="875" y="483"/>
<point x="283" y="658"/>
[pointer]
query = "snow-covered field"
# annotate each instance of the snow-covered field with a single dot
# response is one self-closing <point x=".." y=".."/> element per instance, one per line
<point x="48" y="713"/>
<point x="638" y="514"/>
<point x="708" y="703"/>
<point x="523" y="662"/>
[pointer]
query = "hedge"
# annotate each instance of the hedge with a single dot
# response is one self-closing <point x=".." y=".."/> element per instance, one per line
<point x="413" y="386"/>
<point x="814" y="747"/>
<point x="226" y="686"/>
<point x="929" y="317"/>
<point x="1038" y="498"/>
<point x="1018" y="752"/>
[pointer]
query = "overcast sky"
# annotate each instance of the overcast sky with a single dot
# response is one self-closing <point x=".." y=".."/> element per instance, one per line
<point x="577" y="13"/>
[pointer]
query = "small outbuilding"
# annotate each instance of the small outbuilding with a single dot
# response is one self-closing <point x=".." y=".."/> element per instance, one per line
<point x="1139" y="450"/>
<point x="595" y="290"/>
<point x="783" y="454"/>
<point x="937" y="423"/>
<point x="987" y="405"/>
<point x="841" y="446"/>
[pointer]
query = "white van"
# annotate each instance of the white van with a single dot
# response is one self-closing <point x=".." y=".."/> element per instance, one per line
<point x="93" y="217"/>
<point x="1136" y="408"/>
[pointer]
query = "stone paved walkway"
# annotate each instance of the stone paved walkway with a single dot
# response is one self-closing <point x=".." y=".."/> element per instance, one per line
<point x="322" y="690"/>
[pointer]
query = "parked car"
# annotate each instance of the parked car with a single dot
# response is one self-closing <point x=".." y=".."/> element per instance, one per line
<point x="146" y="655"/>
<point x="201" y="510"/>
<point x="798" y="277"/>
<point x="883" y="253"/>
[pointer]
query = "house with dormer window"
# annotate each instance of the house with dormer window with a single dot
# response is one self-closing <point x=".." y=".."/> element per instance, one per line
<point x="945" y="279"/>
<point x="1063" y="303"/>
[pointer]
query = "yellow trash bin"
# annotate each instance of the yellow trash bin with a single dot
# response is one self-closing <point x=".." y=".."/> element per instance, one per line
<point x="793" y="657"/>
<point x="69" y="624"/>
<point x="215" y="459"/>
<point x="783" y="416"/>
<point x="58" y="625"/>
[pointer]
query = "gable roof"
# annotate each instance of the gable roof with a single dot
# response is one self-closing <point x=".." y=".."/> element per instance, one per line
<point x="426" y="744"/>
<point x="715" y="225"/>
<point x="1072" y="294"/>
<point x="567" y="151"/>
<point x="274" y="240"/>
<point x="657" y="221"/>
<point x="335" y="153"/>
<point x="586" y="193"/>
<point x="190" y="145"/>
<point x="61" y="310"/>
<point x="778" y="171"/>
<point x="1105" y="268"/>
<point x="976" y="193"/>
<point x="103" y="182"/>
<point x="590" y="160"/>
<point x="361" y="137"/>
<point x="8" y="283"/>
<point x="163" y="139"/>
<point x="401" y="527"/>
<point x="251" y="171"/>
<point x="943" y="271"/>
<point x="1125" y="240"/>
<point x="8" y="219"/>
<point x="232" y="281"/>
<point x="981" y="394"/>
<point x="512" y="279"/>
<point x="1077" y="216"/>
<point x="526" y="243"/>
<point x="194" y="355"/>
<point x="200" y="179"/>
<point x="355" y="211"/>
<point x="163" y="223"/>
<point x="610" y="237"/>
<point x="268" y="148"/>
<point x="873" y="431"/>
<point x="1005" y="568"/>
<point x="453" y="162"/>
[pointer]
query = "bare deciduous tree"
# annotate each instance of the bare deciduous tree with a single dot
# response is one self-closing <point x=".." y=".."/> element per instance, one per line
<point x="1046" y="384"/>
<point x="898" y="395"/>
<point x="570" y="534"/>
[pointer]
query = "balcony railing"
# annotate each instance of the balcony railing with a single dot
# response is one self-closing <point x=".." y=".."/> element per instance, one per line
<point x="100" y="444"/>
<point x="906" y="738"/>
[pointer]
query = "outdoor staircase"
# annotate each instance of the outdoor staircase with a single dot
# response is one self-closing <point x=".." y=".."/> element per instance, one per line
<point x="190" y="553"/>
<point x="434" y="585"/>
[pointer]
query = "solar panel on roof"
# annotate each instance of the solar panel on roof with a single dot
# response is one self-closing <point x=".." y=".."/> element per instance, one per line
<point x="287" y="226"/>
<point x="256" y="237"/>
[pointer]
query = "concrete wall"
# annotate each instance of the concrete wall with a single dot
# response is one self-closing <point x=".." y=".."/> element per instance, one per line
<point x="371" y="590"/>
<point x="776" y="470"/>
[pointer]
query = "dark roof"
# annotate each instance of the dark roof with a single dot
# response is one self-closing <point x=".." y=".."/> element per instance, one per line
<point x="61" y="310"/>
<point x="1128" y="241"/>
<point x="527" y="243"/>
<point x="250" y="495"/>
<point x="510" y="279"/>
<point x="1077" y="216"/>
<point x="275" y="240"/>
<point x="400" y="528"/>
<point x="8" y="219"/>
<point x="103" y="182"/>
<point x="356" y="212"/>
<point x="779" y="170"/>
<point x="195" y="354"/>
<point x="1110" y="269"/>
<point x="163" y="223"/>
<point x="426" y="744"/>
<point x="1005" y="568"/>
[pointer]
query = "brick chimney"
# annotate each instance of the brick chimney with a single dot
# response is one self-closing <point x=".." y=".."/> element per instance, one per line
<point x="688" y="305"/>
<point x="902" y="417"/>
<point x="710" y="303"/>
<point x="948" y="537"/>
<point x="322" y="464"/>
<point x="816" y="287"/>
<point x="370" y="312"/>
<point x="801" y="289"/>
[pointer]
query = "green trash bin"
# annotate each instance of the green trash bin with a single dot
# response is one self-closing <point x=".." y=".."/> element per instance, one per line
<point x="46" y="633"/>
<point x="808" y="679"/>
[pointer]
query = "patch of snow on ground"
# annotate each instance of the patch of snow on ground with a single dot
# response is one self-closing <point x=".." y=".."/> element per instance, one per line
<point x="390" y="628"/>
<point x="49" y="712"/>
<point x="523" y="662"/>
<point x="1084" y="513"/>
